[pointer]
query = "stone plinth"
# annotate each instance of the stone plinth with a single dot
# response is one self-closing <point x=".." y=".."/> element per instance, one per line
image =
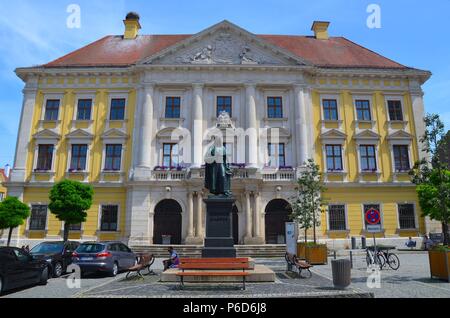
<point x="219" y="240"/>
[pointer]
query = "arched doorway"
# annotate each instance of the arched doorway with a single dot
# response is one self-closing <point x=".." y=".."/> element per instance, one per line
<point x="277" y="214"/>
<point x="167" y="221"/>
<point x="235" y="225"/>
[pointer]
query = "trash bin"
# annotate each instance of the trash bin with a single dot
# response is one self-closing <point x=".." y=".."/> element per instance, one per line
<point x="342" y="273"/>
<point x="166" y="239"/>
<point x="363" y="243"/>
<point x="353" y="243"/>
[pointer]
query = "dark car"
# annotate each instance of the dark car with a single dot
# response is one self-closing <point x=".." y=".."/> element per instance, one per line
<point x="19" y="269"/>
<point x="108" y="257"/>
<point x="57" y="254"/>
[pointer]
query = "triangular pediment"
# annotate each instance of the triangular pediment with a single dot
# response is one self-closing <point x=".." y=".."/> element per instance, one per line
<point x="224" y="44"/>
<point x="333" y="134"/>
<point x="114" y="134"/>
<point x="400" y="134"/>
<point x="367" y="134"/>
<point x="80" y="134"/>
<point x="46" y="134"/>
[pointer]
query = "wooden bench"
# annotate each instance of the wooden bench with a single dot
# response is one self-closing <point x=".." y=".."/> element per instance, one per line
<point x="145" y="262"/>
<point x="213" y="267"/>
<point x="292" y="260"/>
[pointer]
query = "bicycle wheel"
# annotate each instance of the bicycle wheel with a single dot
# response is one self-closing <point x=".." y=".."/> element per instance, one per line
<point x="381" y="260"/>
<point x="393" y="261"/>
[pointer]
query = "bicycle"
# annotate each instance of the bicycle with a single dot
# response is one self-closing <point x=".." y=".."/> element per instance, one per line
<point x="390" y="259"/>
<point x="382" y="257"/>
<point x="372" y="259"/>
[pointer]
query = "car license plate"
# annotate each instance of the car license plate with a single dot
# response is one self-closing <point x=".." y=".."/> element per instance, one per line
<point x="87" y="258"/>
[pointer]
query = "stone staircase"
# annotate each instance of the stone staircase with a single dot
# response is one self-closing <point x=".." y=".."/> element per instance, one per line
<point x="194" y="251"/>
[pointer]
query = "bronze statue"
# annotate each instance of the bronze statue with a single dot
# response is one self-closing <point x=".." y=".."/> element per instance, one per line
<point x="217" y="170"/>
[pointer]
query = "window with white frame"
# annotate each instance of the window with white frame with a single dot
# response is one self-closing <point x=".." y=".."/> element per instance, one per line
<point x="330" y="109"/>
<point x="395" y="110"/>
<point x="277" y="155"/>
<point x="84" y="109"/>
<point x="224" y="104"/>
<point x="52" y="109"/>
<point x="401" y="158"/>
<point x="406" y="216"/>
<point x="171" y="157"/>
<point x="38" y="218"/>
<point x="45" y="157"/>
<point x="336" y="217"/>
<point x="275" y="107"/>
<point x="368" y="158"/>
<point x="363" y="110"/>
<point x="173" y="107"/>
<point x="109" y="218"/>
<point x="117" y="110"/>
<point x="113" y="157"/>
<point x="334" y="157"/>
<point x="79" y="158"/>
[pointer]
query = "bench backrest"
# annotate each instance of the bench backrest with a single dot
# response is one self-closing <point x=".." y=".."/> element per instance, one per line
<point x="214" y="263"/>
<point x="145" y="259"/>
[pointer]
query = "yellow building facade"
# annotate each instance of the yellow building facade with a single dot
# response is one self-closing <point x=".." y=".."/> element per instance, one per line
<point x="111" y="115"/>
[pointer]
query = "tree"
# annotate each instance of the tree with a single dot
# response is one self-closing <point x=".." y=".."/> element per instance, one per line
<point x="431" y="175"/>
<point x="69" y="201"/>
<point x="307" y="205"/>
<point x="13" y="213"/>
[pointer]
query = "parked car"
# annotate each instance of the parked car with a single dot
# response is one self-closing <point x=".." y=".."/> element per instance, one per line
<point x="109" y="257"/>
<point x="19" y="269"/>
<point x="57" y="254"/>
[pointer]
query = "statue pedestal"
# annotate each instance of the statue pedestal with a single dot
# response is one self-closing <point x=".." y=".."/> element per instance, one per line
<point x="219" y="240"/>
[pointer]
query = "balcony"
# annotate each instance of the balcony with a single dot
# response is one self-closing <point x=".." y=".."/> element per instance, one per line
<point x="287" y="175"/>
<point x="169" y="175"/>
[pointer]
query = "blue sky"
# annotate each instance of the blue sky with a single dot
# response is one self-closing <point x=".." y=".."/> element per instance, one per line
<point x="414" y="33"/>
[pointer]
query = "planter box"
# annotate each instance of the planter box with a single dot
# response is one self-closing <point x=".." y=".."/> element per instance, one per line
<point x="317" y="255"/>
<point x="440" y="264"/>
<point x="301" y="250"/>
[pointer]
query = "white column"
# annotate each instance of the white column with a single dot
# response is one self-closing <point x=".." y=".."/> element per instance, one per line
<point x="145" y="131"/>
<point x="252" y="125"/>
<point x="190" y="231"/>
<point x="257" y="216"/>
<point x="301" y="125"/>
<point x="197" y="125"/>
<point x="419" y="114"/>
<point x="18" y="173"/>
<point x="139" y="221"/>
<point x="248" y="217"/>
<point x="199" y="225"/>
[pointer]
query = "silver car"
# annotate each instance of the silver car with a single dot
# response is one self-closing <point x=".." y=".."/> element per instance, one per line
<point x="108" y="257"/>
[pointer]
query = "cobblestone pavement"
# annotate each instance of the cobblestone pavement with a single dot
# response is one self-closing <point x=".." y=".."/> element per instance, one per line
<point x="286" y="285"/>
<point x="412" y="280"/>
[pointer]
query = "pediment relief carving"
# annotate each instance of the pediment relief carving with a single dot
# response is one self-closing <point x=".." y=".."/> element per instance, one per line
<point x="224" y="44"/>
<point x="47" y="134"/>
<point x="333" y="134"/>
<point x="367" y="134"/>
<point x="400" y="135"/>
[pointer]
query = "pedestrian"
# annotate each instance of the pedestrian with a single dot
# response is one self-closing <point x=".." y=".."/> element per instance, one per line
<point x="173" y="261"/>
<point x="428" y="243"/>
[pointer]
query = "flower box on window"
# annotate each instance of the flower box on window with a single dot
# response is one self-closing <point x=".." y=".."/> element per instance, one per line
<point x="238" y="165"/>
<point x="41" y="170"/>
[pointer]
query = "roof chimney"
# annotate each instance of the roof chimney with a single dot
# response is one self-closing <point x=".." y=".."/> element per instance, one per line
<point x="320" y="29"/>
<point x="132" y="26"/>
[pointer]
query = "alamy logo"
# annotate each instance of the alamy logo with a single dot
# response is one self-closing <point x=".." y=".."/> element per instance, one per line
<point x="374" y="18"/>
<point x="74" y="18"/>
<point x="374" y="279"/>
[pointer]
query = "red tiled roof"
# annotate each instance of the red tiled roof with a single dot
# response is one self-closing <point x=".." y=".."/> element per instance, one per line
<point x="117" y="52"/>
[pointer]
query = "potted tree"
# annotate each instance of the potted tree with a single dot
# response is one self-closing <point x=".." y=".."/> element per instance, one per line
<point x="307" y="208"/>
<point x="13" y="213"/>
<point x="69" y="201"/>
<point x="432" y="179"/>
